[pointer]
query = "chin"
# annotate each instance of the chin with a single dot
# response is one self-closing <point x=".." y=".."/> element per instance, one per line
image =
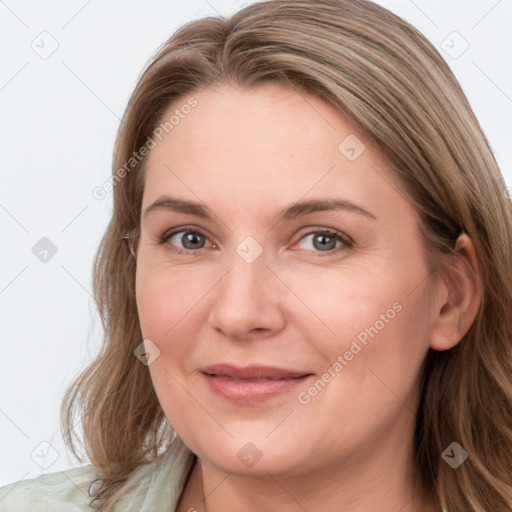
<point x="250" y="455"/>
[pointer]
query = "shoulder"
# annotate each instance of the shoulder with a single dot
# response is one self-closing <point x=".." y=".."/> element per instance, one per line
<point x="64" y="491"/>
<point x="157" y="485"/>
<point x="153" y="486"/>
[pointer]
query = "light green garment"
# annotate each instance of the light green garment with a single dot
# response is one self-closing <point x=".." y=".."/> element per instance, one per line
<point x="154" y="487"/>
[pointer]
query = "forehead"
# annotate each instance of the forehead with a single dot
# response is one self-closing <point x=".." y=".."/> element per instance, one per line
<point x="267" y="141"/>
<point x="275" y="115"/>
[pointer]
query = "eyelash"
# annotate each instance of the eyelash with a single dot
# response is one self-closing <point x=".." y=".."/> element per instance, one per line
<point x="344" y="239"/>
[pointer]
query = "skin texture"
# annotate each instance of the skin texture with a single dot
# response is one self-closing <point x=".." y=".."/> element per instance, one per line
<point x="246" y="154"/>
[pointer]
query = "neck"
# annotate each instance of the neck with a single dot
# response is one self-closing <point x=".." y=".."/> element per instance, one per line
<point x="352" y="487"/>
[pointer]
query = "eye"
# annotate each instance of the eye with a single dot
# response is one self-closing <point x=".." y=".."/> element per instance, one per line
<point x="188" y="240"/>
<point x="185" y="241"/>
<point x="325" y="240"/>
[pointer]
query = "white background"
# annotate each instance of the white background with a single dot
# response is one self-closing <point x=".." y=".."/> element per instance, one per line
<point x="59" y="117"/>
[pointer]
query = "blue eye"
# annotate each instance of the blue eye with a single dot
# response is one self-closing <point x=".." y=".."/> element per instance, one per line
<point x="326" y="240"/>
<point x="323" y="241"/>
<point x="185" y="240"/>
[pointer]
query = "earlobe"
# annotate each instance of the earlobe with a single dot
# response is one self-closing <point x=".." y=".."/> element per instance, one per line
<point x="459" y="298"/>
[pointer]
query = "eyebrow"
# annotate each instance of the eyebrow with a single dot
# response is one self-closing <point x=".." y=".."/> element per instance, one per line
<point x="292" y="211"/>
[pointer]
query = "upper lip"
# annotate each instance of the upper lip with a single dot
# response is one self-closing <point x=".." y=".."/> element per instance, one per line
<point x="252" y="372"/>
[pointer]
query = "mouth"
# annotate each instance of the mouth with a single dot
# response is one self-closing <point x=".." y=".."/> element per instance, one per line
<point x="252" y="384"/>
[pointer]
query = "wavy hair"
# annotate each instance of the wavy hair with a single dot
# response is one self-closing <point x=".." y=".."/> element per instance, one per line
<point x="393" y="85"/>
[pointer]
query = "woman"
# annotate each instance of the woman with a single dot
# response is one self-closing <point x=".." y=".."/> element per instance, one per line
<point x="305" y="284"/>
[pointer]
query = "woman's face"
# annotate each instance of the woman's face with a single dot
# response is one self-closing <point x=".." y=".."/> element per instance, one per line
<point x="287" y="306"/>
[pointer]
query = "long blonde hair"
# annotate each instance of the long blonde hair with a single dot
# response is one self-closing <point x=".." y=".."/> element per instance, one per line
<point x="392" y="84"/>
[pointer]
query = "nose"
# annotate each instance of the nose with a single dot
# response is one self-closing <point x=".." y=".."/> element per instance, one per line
<point x="247" y="300"/>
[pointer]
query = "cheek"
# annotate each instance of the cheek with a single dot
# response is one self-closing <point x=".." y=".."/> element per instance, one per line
<point x="166" y="302"/>
<point x="371" y="364"/>
<point x="337" y="306"/>
<point x="153" y="305"/>
<point x="167" y="305"/>
<point x="365" y="324"/>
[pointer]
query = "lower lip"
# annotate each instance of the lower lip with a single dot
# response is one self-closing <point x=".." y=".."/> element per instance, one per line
<point x="252" y="392"/>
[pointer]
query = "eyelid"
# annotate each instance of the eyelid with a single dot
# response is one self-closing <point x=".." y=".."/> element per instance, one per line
<point x="164" y="238"/>
<point x="311" y="230"/>
<point x="346" y="241"/>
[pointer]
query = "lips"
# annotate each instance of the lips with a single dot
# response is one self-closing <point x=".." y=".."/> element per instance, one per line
<point x="252" y="372"/>
<point x="251" y="384"/>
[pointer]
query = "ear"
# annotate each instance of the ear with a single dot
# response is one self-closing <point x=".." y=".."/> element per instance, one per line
<point x="458" y="300"/>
